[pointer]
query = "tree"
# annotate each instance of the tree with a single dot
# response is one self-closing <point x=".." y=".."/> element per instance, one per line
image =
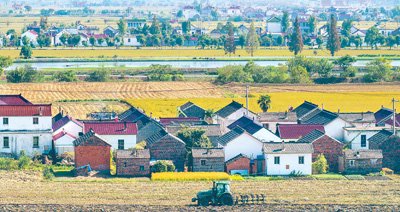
<point x="379" y="70"/>
<point x="186" y="26"/>
<point x="280" y="40"/>
<point x="312" y="24"/>
<point x="92" y="41"/>
<point x="26" y="51"/>
<point x="298" y="74"/>
<point x="194" y="137"/>
<point x="230" y="46"/>
<point x="242" y="41"/>
<point x="285" y="21"/>
<point x="21" y="74"/>
<point x="296" y="39"/>
<point x="319" y="41"/>
<point x="346" y="27"/>
<point x="323" y="67"/>
<point x="100" y="41"/>
<point x="320" y="166"/>
<point x="345" y="62"/>
<point x="4" y="63"/>
<point x="44" y="23"/>
<point x="43" y="40"/>
<point x="391" y="41"/>
<point x="333" y="43"/>
<point x="64" y="39"/>
<point x="372" y="37"/>
<point x="100" y="75"/>
<point x="264" y="102"/>
<point x="179" y="14"/>
<point x="252" y="40"/>
<point x="122" y="26"/>
<point x="65" y="76"/>
<point x="155" y="27"/>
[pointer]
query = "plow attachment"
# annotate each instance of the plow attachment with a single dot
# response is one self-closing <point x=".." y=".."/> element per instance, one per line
<point x="249" y="199"/>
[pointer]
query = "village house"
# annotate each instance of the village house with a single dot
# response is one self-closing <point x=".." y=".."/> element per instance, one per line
<point x="293" y="132"/>
<point x="382" y="115"/>
<point x="120" y="135"/>
<point x="255" y="129"/>
<point x="24" y="126"/>
<point x="286" y="158"/>
<point x="165" y="146"/>
<point x="67" y="124"/>
<point x="212" y="131"/>
<point x="208" y="160"/>
<point x="135" y="23"/>
<point x="358" y="137"/>
<point x="274" y="25"/>
<point x="238" y="141"/>
<point x="361" y="161"/>
<point x="230" y="113"/>
<point x="110" y="31"/>
<point x="131" y="40"/>
<point x="361" y="119"/>
<point x="243" y="165"/>
<point x="190" y="109"/>
<point x="63" y="142"/>
<point x="31" y="37"/>
<point x="133" y="163"/>
<point x="270" y="120"/>
<point x="91" y="150"/>
<point x="323" y="144"/>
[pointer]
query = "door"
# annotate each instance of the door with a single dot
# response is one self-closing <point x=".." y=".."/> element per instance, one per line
<point x="260" y="169"/>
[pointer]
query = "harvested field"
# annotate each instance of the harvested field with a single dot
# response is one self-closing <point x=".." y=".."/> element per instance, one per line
<point x="80" y="110"/>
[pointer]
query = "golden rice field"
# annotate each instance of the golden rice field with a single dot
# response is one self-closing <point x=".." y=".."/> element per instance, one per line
<point x="193" y="176"/>
<point x="163" y="98"/>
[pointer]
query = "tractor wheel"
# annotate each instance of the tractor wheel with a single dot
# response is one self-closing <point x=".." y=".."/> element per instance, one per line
<point x="203" y="202"/>
<point x="226" y="199"/>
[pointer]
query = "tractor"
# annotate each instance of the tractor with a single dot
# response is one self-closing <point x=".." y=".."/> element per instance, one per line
<point x="220" y="194"/>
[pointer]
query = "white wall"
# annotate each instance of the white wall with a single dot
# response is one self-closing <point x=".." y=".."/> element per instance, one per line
<point x="131" y="41"/>
<point x="64" y="144"/>
<point x="292" y="160"/>
<point x="272" y="125"/>
<point x="243" y="144"/>
<point x="335" y="128"/>
<point x="265" y="135"/>
<point x="274" y="27"/>
<point x="24" y="141"/>
<point x="349" y="135"/>
<point x="26" y="123"/>
<point x="225" y="122"/>
<point x="31" y="37"/>
<point x="129" y="140"/>
<point x="71" y="128"/>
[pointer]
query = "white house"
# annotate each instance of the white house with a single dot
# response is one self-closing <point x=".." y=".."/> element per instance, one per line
<point x="274" y="25"/>
<point x="131" y="40"/>
<point x="270" y="120"/>
<point x="135" y="23"/>
<point x="238" y="141"/>
<point x="255" y="129"/>
<point x="120" y="135"/>
<point x="358" y="136"/>
<point x="64" y="142"/>
<point x="24" y="126"/>
<point x="65" y="130"/>
<point x="287" y="158"/>
<point x="233" y="11"/>
<point x="32" y="37"/>
<point x="230" y="113"/>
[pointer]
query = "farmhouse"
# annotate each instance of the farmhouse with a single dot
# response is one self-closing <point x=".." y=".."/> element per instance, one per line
<point x="63" y="142"/>
<point x="24" y="126"/>
<point x="67" y="124"/>
<point x="274" y="25"/>
<point x="190" y="109"/>
<point x="31" y="36"/>
<point x="165" y="146"/>
<point x="208" y="160"/>
<point x="331" y="148"/>
<point x="255" y="129"/>
<point x="358" y="137"/>
<point x="361" y="161"/>
<point x="293" y="132"/>
<point x="90" y="149"/>
<point x="133" y="163"/>
<point x="243" y="165"/>
<point x="230" y="113"/>
<point x="286" y="158"/>
<point x="382" y="115"/>
<point x="120" y="135"/>
<point x="270" y="120"/>
<point x="359" y="119"/>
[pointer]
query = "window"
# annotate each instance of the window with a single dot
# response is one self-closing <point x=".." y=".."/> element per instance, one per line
<point x="121" y="144"/>
<point x="35" y="120"/>
<point x="141" y="168"/>
<point x="5" y="121"/>
<point x="351" y="162"/>
<point x="287" y="167"/>
<point x="129" y="40"/>
<point x="36" y="142"/>
<point x="301" y="159"/>
<point x="363" y="141"/>
<point x="203" y="162"/>
<point x="6" y="142"/>
<point x="277" y="160"/>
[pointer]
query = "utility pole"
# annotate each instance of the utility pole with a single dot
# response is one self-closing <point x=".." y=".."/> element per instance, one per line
<point x="247" y="100"/>
<point x="394" y="115"/>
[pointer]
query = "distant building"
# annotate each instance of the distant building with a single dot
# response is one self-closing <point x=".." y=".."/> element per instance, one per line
<point x="361" y="161"/>
<point x="131" y="40"/>
<point x="208" y="160"/>
<point x="135" y="23"/>
<point x="274" y="25"/>
<point x="133" y="163"/>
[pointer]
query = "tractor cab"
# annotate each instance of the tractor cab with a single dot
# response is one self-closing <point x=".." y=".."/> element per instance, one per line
<point x="220" y="194"/>
<point x="221" y="187"/>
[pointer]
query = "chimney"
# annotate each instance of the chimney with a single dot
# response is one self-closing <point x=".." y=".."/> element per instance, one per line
<point x="290" y="108"/>
<point x="322" y="106"/>
<point x="40" y="111"/>
<point x="286" y="115"/>
<point x="362" y="115"/>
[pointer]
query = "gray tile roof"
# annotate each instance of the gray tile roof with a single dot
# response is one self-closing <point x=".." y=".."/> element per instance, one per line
<point x="247" y="124"/>
<point x="367" y="117"/>
<point x="229" y="109"/>
<point x="208" y="153"/>
<point x="288" y="148"/>
<point x="277" y="117"/>
<point x="380" y="137"/>
<point x="234" y="133"/>
<point x="132" y="115"/>
<point x="90" y="137"/>
<point x="304" y="108"/>
<point x="320" y="117"/>
<point x="191" y="110"/>
<point x="210" y="130"/>
<point x="362" y="154"/>
<point x="156" y="137"/>
<point x="311" y="137"/>
<point x="136" y="153"/>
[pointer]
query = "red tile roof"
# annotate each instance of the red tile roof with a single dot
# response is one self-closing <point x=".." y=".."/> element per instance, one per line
<point x="296" y="131"/>
<point x="25" y="110"/>
<point x="13" y="100"/>
<point x="111" y="128"/>
<point x="61" y="134"/>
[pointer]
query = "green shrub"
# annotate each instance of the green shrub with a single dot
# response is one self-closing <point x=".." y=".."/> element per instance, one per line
<point x="22" y="74"/>
<point x="48" y="173"/>
<point x="65" y="76"/>
<point x="320" y="166"/>
<point x="100" y="75"/>
<point x="170" y="167"/>
<point x="24" y="162"/>
<point x="163" y="166"/>
<point x="8" y="164"/>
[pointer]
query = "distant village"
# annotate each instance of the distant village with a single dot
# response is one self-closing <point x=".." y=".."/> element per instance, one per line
<point x="242" y="142"/>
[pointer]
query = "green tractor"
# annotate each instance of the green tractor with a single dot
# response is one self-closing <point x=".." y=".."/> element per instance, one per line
<point x="220" y="194"/>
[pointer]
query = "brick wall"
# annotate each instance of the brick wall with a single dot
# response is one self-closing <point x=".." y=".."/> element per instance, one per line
<point x="212" y="165"/>
<point x="363" y="166"/>
<point x="131" y="167"/>
<point x="242" y="163"/>
<point x="331" y="149"/>
<point x="168" y="148"/>
<point x="97" y="156"/>
<point x="391" y="154"/>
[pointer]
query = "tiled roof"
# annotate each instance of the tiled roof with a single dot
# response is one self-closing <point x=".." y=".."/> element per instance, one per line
<point x="234" y="133"/>
<point x="321" y="117"/>
<point x="179" y="120"/>
<point x="148" y="129"/>
<point x="287" y="148"/>
<point x="61" y="134"/>
<point x="380" y="137"/>
<point x="25" y="110"/>
<point x="156" y="137"/>
<point x="246" y="124"/>
<point x="90" y="139"/>
<point x="278" y="117"/>
<point x="362" y="154"/>
<point x="296" y="131"/>
<point x="13" y="100"/>
<point x="210" y="130"/>
<point x="367" y="117"/>
<point x="189" y="109"/>
<point x="229" y="109"/>
<point x="131" y="115"/>
<point x="111" y="128"/>
<point x="383" y="113"/>
<point x="390" y="121"/>
<point x="311" y="137"/>
<point x="57" y="117"/>
<point x="136" y="153"/>
<point x="236" y="157"/>
<point x="305" y="108"/>
<point x="63" y="121"/>
<point x="208" y="153"/>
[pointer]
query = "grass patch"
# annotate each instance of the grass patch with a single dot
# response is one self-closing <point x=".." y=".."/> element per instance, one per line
<point x="355" y="177"/>
<point x="193" y="176"/>
<point x="266" y="178"/>
<point x="329" y="176"/>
